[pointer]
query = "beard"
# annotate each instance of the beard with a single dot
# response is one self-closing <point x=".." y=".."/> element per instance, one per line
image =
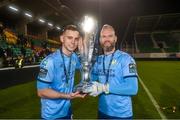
<point x="108" y="48"/>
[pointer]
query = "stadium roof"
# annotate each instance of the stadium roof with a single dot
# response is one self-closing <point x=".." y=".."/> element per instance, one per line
<point x="114" y="12"/>
<point x="51" y="10"/>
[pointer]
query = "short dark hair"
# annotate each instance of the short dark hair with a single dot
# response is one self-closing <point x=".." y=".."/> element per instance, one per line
<point x="70" y="27"/>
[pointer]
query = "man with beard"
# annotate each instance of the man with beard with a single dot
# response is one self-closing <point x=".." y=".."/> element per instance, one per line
<point x="114" y="79"/>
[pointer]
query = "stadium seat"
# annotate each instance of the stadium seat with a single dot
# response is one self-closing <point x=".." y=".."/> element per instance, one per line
<point x="145" y="44"/>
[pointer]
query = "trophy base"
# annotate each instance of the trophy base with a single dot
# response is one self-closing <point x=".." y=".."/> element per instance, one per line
<point x="80" y="87"/>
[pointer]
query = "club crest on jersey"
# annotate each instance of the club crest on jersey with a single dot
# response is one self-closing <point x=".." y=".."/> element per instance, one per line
<point x="113" y="62"/>
<point x="73" y="62"/>
<point x="132" y="68"/>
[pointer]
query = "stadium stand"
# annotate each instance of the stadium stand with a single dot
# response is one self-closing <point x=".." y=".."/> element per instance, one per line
<point x="15" y="46"/>
<point x="168" y="42"/>
<point x="145" y="43"/>
<point x="153" y="34"/>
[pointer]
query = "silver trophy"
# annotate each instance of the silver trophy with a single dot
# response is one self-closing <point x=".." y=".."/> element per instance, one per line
<point x="86" y="49"/>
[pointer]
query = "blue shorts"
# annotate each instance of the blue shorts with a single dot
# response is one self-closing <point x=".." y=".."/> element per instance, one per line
<point x="104" y="116"/>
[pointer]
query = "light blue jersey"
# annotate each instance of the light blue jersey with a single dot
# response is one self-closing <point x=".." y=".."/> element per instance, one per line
<point x="122" y="67"/>
<point x="52" y="73"/>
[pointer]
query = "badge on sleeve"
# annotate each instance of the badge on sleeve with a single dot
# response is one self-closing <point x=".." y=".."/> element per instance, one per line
<point x="132" y="68"/>
<point x="44" y="63"/>
<point x="42" y="72"/>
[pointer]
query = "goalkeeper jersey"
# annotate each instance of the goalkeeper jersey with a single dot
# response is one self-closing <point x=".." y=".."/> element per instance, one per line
<point x="114" y="69"/>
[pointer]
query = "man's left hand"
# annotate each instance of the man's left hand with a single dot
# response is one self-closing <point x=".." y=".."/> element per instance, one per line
<point x="96" y="88"/>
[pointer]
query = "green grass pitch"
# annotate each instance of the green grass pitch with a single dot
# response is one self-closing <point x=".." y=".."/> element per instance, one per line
<point x="160" y="77"/>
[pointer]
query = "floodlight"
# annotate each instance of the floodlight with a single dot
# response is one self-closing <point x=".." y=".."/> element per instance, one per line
<point x="50" y="24"/>
<point x="13" y="8"/>
<point x="58" y="27"/>
<point x="88" y="24"/>
<point x="41" y="20"/>
<point x="28" y="15"/>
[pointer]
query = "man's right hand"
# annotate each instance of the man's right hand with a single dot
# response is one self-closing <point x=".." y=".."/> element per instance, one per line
<point x="76" y="94"/>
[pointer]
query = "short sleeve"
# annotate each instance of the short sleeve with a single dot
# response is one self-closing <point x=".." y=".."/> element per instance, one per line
<point x="46" y="70"/>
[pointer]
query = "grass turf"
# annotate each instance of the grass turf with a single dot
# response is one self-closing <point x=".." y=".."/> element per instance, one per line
<point x="162" y="80"/>
<point x="160" y="77"/>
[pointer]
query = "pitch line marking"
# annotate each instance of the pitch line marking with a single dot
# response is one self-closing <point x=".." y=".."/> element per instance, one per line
<point x="152" y="99"/>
